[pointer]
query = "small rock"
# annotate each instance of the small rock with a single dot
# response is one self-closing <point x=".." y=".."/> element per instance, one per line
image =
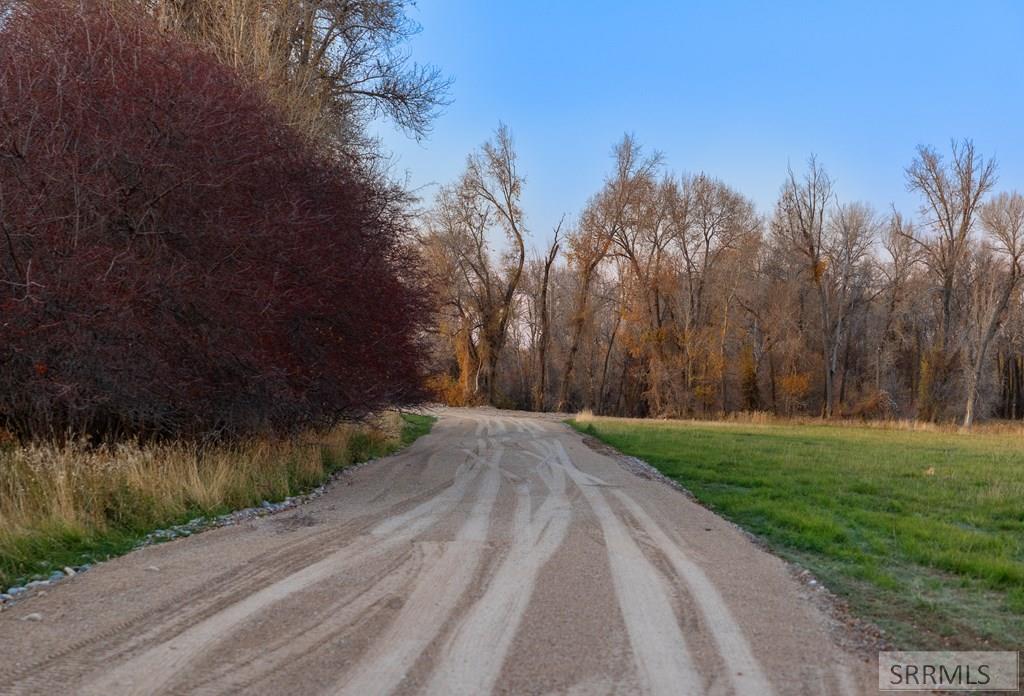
<point x="56" y="575"/>
<point x="69" y="571"/>
<point x="37" y="583"/>
<point x="15" y="590"/>
<point x="32" y="617"/>
<point x="6" y="597"/>
<point x="152" y="569"/>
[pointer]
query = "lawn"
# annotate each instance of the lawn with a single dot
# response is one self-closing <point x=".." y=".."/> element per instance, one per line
<point x="70" y="505"/>
<point x="921" y="532"/>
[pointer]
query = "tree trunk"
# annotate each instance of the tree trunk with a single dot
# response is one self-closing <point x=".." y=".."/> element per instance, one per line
<point x="545" y="320"/>
<point x="604" y="369"/>
<point x="974" y="376"/>
<point x="578" y="321"/>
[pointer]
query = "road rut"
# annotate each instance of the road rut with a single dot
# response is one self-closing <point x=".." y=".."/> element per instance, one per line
<point x="499" y="554"/>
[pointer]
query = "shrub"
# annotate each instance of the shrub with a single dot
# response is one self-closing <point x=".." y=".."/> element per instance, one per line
<point x="174" y="260"/>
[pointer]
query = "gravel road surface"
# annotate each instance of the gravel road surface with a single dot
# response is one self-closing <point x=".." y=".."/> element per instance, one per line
<point x="500" y="554"/>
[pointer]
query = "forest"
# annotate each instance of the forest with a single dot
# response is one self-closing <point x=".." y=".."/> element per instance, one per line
<point x="673" y="296"/>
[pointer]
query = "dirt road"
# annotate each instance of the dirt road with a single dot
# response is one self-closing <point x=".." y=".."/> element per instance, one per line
<point x="500" y="554"/>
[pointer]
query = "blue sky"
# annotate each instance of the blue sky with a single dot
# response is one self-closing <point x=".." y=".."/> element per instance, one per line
<point x="736" y="89"/>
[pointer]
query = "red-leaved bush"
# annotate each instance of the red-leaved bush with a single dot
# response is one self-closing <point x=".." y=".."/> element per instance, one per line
<point x="174" y="260"/>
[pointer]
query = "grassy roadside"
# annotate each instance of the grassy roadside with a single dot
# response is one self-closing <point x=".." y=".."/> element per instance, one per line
<point x="67" y="506"/>
<point x="921" y="532"/>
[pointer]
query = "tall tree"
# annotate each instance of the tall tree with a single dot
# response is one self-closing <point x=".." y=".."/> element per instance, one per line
<point x="603" y="219"/>
<point x="998" y="276"/>
<point x="545" y="320"/>
<point x="484" y="204"/>
<point x="952" y="194"/>
<point x="800" y="222"/>
<point x="331" y="66"/>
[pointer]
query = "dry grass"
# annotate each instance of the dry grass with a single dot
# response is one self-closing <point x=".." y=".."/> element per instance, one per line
<point x="66" y="504"/>
<point x="992" y="427"/>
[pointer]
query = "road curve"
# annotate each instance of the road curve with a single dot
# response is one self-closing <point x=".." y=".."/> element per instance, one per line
<point x="499" y="554"/>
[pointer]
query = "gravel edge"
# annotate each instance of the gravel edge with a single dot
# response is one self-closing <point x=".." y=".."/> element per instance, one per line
<point x="197" y="525"/>
<point x="855" y="635"/>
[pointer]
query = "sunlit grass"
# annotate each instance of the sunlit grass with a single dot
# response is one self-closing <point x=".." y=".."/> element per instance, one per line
<point x="921" y="530"/>
<point x="70" y="504"/>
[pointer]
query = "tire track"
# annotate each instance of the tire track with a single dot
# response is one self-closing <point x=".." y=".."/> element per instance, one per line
<point x="475" y="653"/>
<point x="662" y="658"/>
<point x="444" y="564"/>
<point x="156" y="667"/>
<point x="745" y="671"/>
<point x="445" y="579"/>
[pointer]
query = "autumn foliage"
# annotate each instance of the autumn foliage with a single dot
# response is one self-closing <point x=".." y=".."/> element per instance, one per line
<point x="174" y="260"/>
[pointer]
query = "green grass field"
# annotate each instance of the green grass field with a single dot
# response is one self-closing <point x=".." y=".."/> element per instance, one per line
<point x="921" y="532"/>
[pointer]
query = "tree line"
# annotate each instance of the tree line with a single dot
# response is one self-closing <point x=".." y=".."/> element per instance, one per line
<point x="674" y="296"/>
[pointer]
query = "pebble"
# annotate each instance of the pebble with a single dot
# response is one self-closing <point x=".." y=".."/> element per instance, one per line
<point x="56" y="575"/>
<point x="152" y="568"/>
<point x="32" y="617"/>
<point x="69" y="571"/>
<point x="6" y="597"/>
<point x="15" y="590"/>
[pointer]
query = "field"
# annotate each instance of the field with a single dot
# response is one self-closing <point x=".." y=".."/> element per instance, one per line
<point x="921" y="532"/>
<point x="71" y="505"/>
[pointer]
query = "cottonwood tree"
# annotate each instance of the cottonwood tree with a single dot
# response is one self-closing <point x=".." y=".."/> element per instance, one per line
<point x="800" y="221"/>
<point x="712" y="222"/>
<point x="482" y="205"/>
<point x="895" y="273"/>
<point x="853" y="229"/>
<point x="997" y="277"/>
<point x="952" y="193"/>
<point x="544" y="337"/>
<point x="672" y="300"/>
<point x="644" y="244"/>
<point x="331" y="66"/>
<point x="604" y="217"/>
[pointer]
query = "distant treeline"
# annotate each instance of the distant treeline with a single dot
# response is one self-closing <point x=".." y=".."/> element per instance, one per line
<point x="674" y="296"/>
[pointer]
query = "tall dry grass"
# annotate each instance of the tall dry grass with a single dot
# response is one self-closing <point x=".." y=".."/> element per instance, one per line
<point x="64" y="504"/>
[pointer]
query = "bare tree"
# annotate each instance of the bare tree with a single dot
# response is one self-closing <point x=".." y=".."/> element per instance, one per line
<point x="711" y="222"/>
<point x="997" y="278"/>
<point x="800" y="222"/>
<point x="545" y="320"/>
<point x="895" y="274"/>
<point x="853" y="228"/>
<point x="952" y="195"/>
<point x="478" y="286"/>
<point x="673" y="301"/>
<point x="331" y="66"/>
<point x="603" y="219"/>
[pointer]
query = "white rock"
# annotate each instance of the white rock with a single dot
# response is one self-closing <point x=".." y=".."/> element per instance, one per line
<point x="32" y="617"/>
<point x="153" y="569"/>
<point x="69" y="571"/>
